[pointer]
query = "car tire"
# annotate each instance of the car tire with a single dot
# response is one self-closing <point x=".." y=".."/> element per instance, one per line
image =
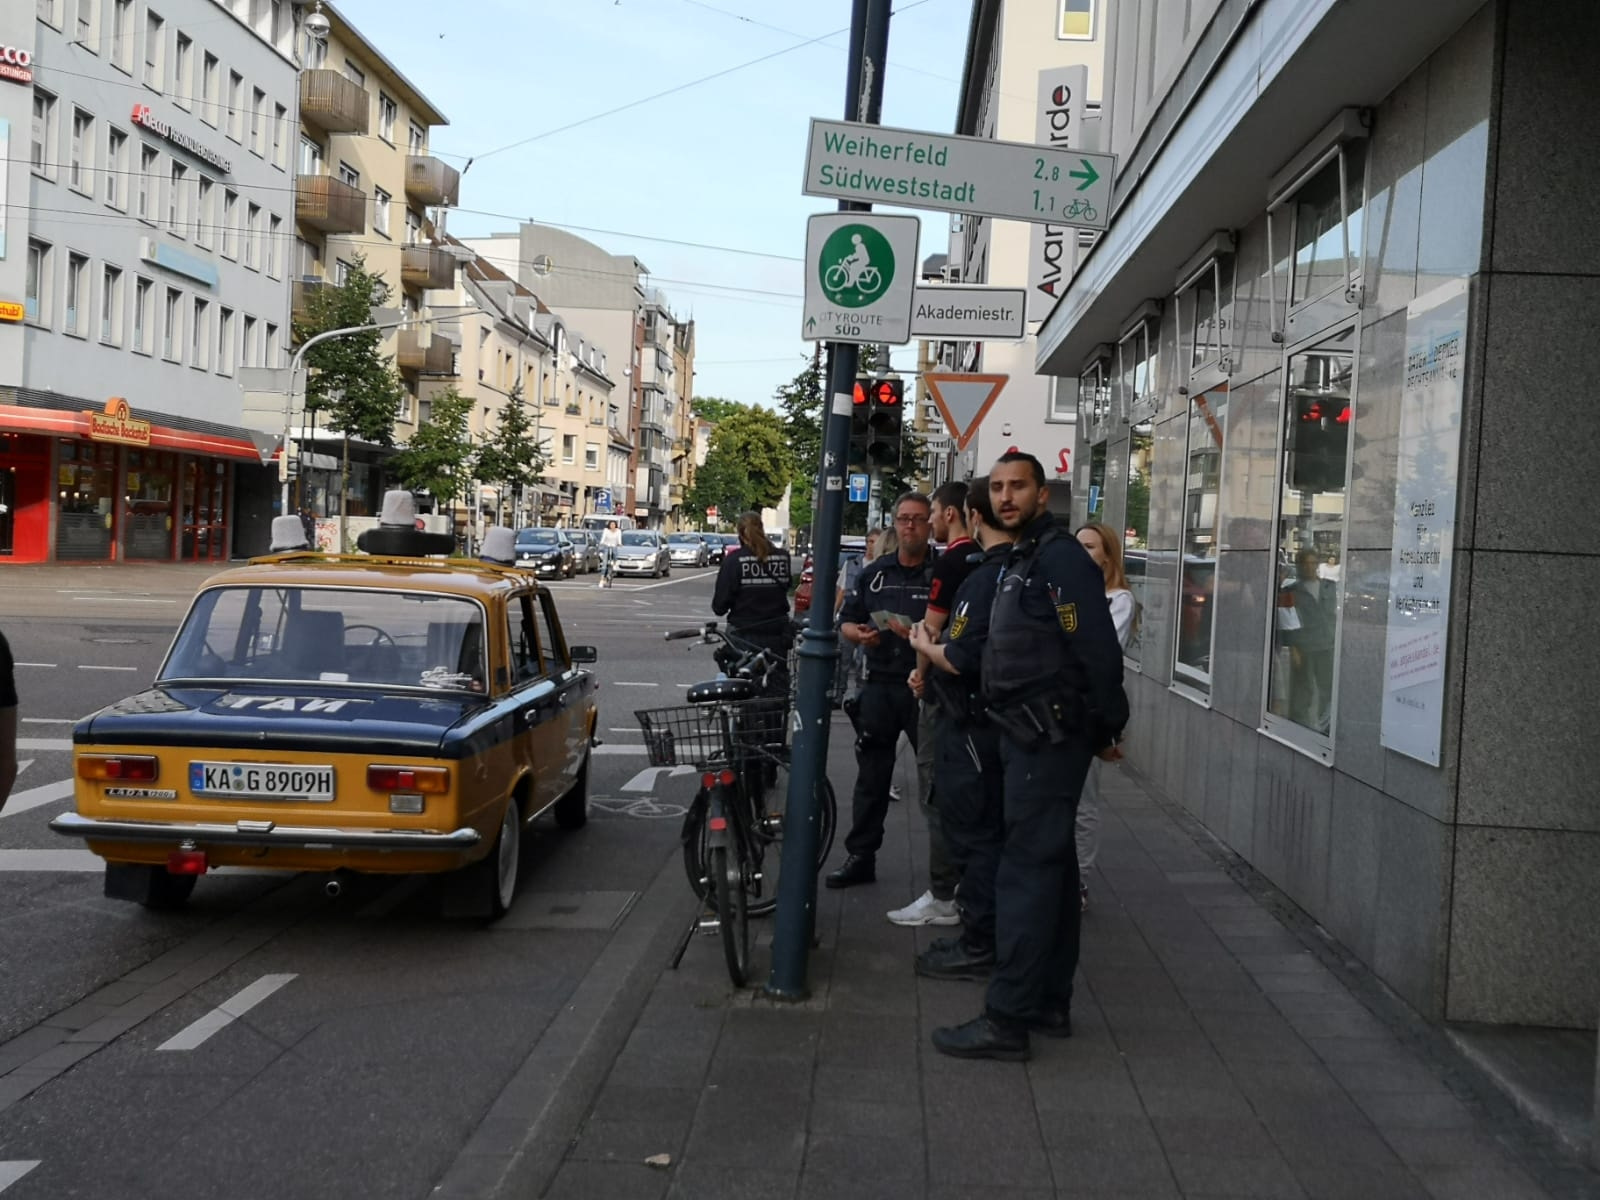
<point x="491" y="882"/>
<point x="572" y="810"/>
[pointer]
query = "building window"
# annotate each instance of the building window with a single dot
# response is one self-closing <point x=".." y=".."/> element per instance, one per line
<point x="44" y="133"/>
<point x="111" y="305"/>
<point x="200" y="335"/>
<point x="348" y="174"/>
<point x="122" y="35"/>
<point x="569" y="447"/>
<point x="155" y="37"/>
<point x="36" y="297"/>
<point x="316" y="54"/>
<point x="380" y="210"/>
<point x="387" y="112"/>
<point x="142" y="291"/>
<point x="310" y="157"/>
<point x="270" y="349"/>
<point x="1063" y="401"/>
<point x="1202" y="524"/>
<point x="178" y="200"/>
<point x="205" y="217"/>
<point x="355" y="74"/>
<point x="1075" y="20"/>
<point x="280" y="124"/>
<point x="413" y="228"/>
<point x="171" y="326"/>
<point x="274" y="246"/>
<point x="1135" y="368"/>
<point x="80" y="165"/>
<point x="252" y="236"/>
<point x="251" y="332"/>
<point x="1314" y="463"/>
<point x="306" y="259"/>
<point x="341" y="272"/>
<point x="50" y="12"/>
<point x="591" y="456"/>
<point x="1321" y="197"/>
<point x="1136" y="523"/>
<point x="230" y="223"/>
<point x="88" y="34"/>
<point x="116" y="165"/>
<point x="183" y="71"/>
<point x="258" y="117"/>
<point x="149" y="184"/>
<point x="225" y="341"/>
<point x="236" y="106"/>
<point x="210" y="72"/>
<point x="416" y="139"/>
<point x="1094" y="393"/>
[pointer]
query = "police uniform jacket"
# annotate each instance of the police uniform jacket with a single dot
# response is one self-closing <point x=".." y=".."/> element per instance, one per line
<point x="886" y="585"/>
<point x="754" y="596"/>
<point x="965" y="634"/>
<point x="1051" y="636"/>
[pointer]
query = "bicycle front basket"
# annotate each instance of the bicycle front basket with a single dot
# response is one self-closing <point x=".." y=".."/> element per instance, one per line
<point x="690" y="735"/>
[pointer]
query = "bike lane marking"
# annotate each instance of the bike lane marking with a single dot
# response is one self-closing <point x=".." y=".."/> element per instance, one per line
<point x="226" y="1013"/>
<point x="36" y="797"/>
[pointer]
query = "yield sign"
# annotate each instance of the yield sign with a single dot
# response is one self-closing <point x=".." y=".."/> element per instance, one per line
<point x="963" y="400"/>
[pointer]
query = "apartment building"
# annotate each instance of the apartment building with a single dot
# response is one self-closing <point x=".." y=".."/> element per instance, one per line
<point x="365" y="184"/>
<point x="681" y="477"/>
<point x="146" y="251"/>
<point x="1325" y="357"/>
<point x="585" y="424"/>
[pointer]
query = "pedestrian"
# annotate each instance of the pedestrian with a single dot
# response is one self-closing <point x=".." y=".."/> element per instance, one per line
<point x="610" y="540"/>
<point x="1105" y="548"/>
<point x="753" y="593"/>
<point x="889" y="598"/>
<point x="8" y="721"/>
<point x="948" y="523"/>
<point x="967" y="751"/>
<point x="1052" y="680"/>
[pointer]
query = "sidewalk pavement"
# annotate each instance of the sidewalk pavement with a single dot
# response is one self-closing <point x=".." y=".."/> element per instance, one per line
<point x="1220" y="1050"/>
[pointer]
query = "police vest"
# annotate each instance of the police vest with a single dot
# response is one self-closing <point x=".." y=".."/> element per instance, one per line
<point x="1027" y="652"/>
<point x="897" y="589"/>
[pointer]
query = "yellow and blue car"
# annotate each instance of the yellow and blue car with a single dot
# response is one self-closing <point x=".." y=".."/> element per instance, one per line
<point x="322" y="712"/>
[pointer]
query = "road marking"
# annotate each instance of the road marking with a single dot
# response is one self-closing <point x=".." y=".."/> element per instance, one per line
<point x="49" y="720"/>
<point x="48" y="793"/>
<point x="666" y="583"/>
<point x="598" y="750"/>
<point x="645" y="780"/>
<point x="50" y="860"/>
<point x="89" y="667"/>
<point x="37" y="744"/>
<point x="15" y="1169"/>
<point x="225" y="1014"/>
<point x="627" y="683"/>
<point x="45" y="666"/>
<point x="123" y="600"/>
<point x="625" y="729"/>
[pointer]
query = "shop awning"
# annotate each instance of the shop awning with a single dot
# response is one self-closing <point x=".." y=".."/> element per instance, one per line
<point x="62" y="416"/>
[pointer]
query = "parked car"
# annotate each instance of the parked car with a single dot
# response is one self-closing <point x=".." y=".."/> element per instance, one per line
<point x="547" y="552"/>
<point x="320" y="712"/>
<point x="688" y="549"/>
<point x="850" y="549"/>
<point x="585" y="549"/>
<point x="643" y="553"/>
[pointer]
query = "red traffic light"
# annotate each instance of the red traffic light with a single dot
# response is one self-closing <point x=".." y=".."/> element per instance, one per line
<point x="889" y="391"/>
<point x="860" y="396"/>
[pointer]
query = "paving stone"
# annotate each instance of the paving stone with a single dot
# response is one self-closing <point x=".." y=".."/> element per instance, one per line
<point x="1341" y="1049"/>
<point x="1209" y="1135"/>
<point x="866" y="1158"/>
<point x="708" y="1181"/>
<point x="629" y="1141"/>
<point x="607" y="1181"/>
<point x="1405" y="1110"/>
<point x="1265" y="1176"/>
<point x="1468" y="1183"/>
<point x="1093" y="1173"/>
<point x="817" y="1186"/>
<point x="1403" y="1074"/>
<point x="891" y="1119"/>
<point x="623" y="1102"/>
<point x="1093" y="1132"/>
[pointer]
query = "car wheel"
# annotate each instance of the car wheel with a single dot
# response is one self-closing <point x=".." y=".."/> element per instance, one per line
<point x="572" y="810"/>
<point x="165" y="891"/>
<point x="491" y="882"/>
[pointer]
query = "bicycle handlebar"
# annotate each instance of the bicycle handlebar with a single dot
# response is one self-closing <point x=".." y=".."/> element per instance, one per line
<point x="706" y="633"/>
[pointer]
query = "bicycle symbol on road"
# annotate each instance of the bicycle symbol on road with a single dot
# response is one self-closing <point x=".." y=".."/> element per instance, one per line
<point x="643" y="807"/>
<point x="855" y="266"/>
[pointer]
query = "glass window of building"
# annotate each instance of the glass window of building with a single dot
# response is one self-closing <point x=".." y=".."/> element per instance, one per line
<point x="380" y="210"/>
<point x="1135" y="367"/>
<point x="416" y="139"/>
<point x="387" y="112"/>
<point x="280" y="125"/>
<point x="148" y="496"/>
<point x="310" y="156"/>
<point x="49" y="11"/>
<point x="183" y="71"/>
<point x="171" y="331"/>
<point x="116" y="164"/>
<point x="155" y="36"/>
<point x="1314" y="464"/>
<point x="200" y="335"/>
<point x="252" y="235"/>
<point x="88" y="32"/>
<point x="210" y="72"/>
<point x="1094" y="392"/>
<point x="230" y="223"/>
<point x="44" y="129"/>
<point x="36" y="294"/>
<point x="1327" y="212"/>
<point x="111" y="305"/>
<point x="355" y="74"/>
<point x="1136" y="523"/>
<point x="274" y="246"/>
<point x="77" y="321"/>
<point x="270" y="347"/>
<point x="258" y="122"/>
<point x="1097" y="482"/>
<point x="1202" y="524"/>
<point x="143" y="290"/>
<point x="122" y="17"/>
<point x="225" y="347"/>
<point x="178" y="200"/>
<point x="236" y="106"/>
<point x="205" y="213"/>
<point x="80" y="164"/>
<point x="86" y="477"/>
<point x="149" y="184"/>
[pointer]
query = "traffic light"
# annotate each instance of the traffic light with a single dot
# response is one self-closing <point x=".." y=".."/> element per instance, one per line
<point x="886" y="414"/>
<point x="860" y="429"/>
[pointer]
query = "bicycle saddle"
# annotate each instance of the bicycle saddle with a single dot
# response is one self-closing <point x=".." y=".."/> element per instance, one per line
<point x="715" y="690"/>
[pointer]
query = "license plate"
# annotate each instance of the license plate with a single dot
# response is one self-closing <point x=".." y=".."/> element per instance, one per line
<point x="261" y="780"/>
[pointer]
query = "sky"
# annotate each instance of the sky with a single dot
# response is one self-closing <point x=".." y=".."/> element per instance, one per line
<point x="717" y="163"/>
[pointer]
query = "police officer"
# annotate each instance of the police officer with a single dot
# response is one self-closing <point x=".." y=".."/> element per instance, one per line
<point x="1052" y="678"/>
<point x="967" y="750"/>
<point x="753" y="593"/>
<point x="897" y="585"/>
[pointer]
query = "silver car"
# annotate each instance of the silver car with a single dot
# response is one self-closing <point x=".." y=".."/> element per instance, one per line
<point x="643" y="553"/>
<point x="688" y="549"/>
<point x="585" y="549"/>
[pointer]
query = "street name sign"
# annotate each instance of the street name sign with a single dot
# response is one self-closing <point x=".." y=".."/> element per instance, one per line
<point x="1012" y="180"/>
<point x="965" y="313"/>
<point x="861" y="271"/>
<point x="963" y="400"/>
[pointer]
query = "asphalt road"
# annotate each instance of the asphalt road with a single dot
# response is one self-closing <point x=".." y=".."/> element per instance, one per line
<point x="373" y="1034"/>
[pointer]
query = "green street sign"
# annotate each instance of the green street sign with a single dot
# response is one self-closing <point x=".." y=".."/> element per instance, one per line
<point x="1089" y="175"/>
<point x="859" y="278"/>
<point x="857" y="264"/>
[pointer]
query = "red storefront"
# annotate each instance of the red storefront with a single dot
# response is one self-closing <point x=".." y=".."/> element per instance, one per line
<point x="111" y="486"/>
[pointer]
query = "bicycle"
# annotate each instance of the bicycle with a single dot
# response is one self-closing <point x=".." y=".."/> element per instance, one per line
<point x="838" y="278"/>
<point x="1081" y="208"/>
<point x="607" y="568"/>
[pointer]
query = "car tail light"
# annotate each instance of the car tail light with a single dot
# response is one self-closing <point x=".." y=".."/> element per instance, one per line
<point x="433" y="780"/>
<point x="186" y="862"/>
<point x="122" y="768"/>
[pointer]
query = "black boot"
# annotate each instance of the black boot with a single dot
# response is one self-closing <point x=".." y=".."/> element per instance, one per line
<point x="1052" y="1022"/>
<point x="983" y="1038"/>
<point x="856" y="868"/>
<point x="955" y="959"/>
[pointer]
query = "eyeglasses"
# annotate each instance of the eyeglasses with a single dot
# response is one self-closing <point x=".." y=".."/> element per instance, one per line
<point x="911" y="520"/>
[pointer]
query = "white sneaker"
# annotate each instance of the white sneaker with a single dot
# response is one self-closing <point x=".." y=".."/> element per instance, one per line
<point x="925" y="910"/>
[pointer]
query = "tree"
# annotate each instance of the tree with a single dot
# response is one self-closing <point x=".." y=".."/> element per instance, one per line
<point x="801" y="402"/>
<point x="349" y="377"/>
<point x="714" y="408"/>
<point x="510" y="458"/>
<point x="721" y="482"/>
<point x="756" y="440"/>
<point x="439" y="458"/>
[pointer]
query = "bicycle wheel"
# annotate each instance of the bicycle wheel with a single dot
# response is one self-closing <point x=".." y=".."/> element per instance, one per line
<point x="837" y="277"/>
<point x="867" y="282"/>
<point x="693" y="835"/>
<point x="733" y="918"/>
<point x="769" y="827"/>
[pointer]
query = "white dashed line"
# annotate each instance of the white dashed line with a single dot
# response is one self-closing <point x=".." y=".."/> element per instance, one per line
<point x="123" y="600"/>
<point x="45" y="666"/>
<point x="44" y="744"/>
<point x="49" y="720"/>
<point x="225" y="1014"/>
<point x="14" y="1169"/>
<point x="90" y="667"/>
<point x="50" y="860"/>
<point x="627" y="683"/>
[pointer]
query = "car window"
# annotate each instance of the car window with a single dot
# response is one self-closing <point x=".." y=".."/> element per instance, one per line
<point x="555" y="648"/>
<point x="639" y="538"/>
<point x="537" y="537"/>
<point x="525" y="662"/>
<point x="684" y="539"/>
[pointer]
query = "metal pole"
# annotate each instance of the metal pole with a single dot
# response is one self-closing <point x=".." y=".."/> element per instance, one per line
<point x="819" y="648"/>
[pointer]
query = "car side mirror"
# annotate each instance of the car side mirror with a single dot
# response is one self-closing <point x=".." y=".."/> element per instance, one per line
<point x="583" y="654"/>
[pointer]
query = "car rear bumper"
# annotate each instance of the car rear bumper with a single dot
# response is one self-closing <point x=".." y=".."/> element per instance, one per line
<point x="260" y="833"/>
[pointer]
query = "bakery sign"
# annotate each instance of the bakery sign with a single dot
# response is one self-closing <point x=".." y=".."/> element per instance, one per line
<point x="116" y="424"/>
<point x="143" y="117"/>
<point x="16" y="65"/>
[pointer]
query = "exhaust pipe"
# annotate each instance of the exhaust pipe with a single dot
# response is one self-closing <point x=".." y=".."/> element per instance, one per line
<point x="332" y="889"/>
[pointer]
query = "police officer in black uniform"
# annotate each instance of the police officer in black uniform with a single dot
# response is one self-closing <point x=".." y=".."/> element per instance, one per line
<point x="1052" y="677"/>
<point x="753" y="593"/>
<point x="967" y="750"/>
<point x="896" y="583"/>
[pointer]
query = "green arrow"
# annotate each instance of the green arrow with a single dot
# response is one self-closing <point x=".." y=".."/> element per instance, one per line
<point x="811" y="323"/>
<point x="1089" y="175"/>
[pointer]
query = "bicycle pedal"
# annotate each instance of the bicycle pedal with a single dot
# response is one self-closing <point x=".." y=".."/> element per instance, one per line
<point x="708" y="925"/>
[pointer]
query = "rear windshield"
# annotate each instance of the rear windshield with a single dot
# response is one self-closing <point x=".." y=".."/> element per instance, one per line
<point x="331" y="635"/>
<point x="537" y="537"/>
<point x="681" y="539"/>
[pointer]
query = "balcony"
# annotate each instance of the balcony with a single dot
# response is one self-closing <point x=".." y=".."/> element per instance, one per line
<point x="331" y="103"/>
<point x="436" y="356"/>
<point x="427" y="267"/>
<point x="300" y="293"/>
<point x="329" y="204"/>
<point x="430" y="181"/>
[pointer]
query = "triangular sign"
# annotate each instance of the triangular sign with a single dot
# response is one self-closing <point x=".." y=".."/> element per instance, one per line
<point x="963" y="400"/>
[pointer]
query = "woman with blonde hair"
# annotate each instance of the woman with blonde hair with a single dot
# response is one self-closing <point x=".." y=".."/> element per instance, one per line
<point x="1105" y="547"/>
